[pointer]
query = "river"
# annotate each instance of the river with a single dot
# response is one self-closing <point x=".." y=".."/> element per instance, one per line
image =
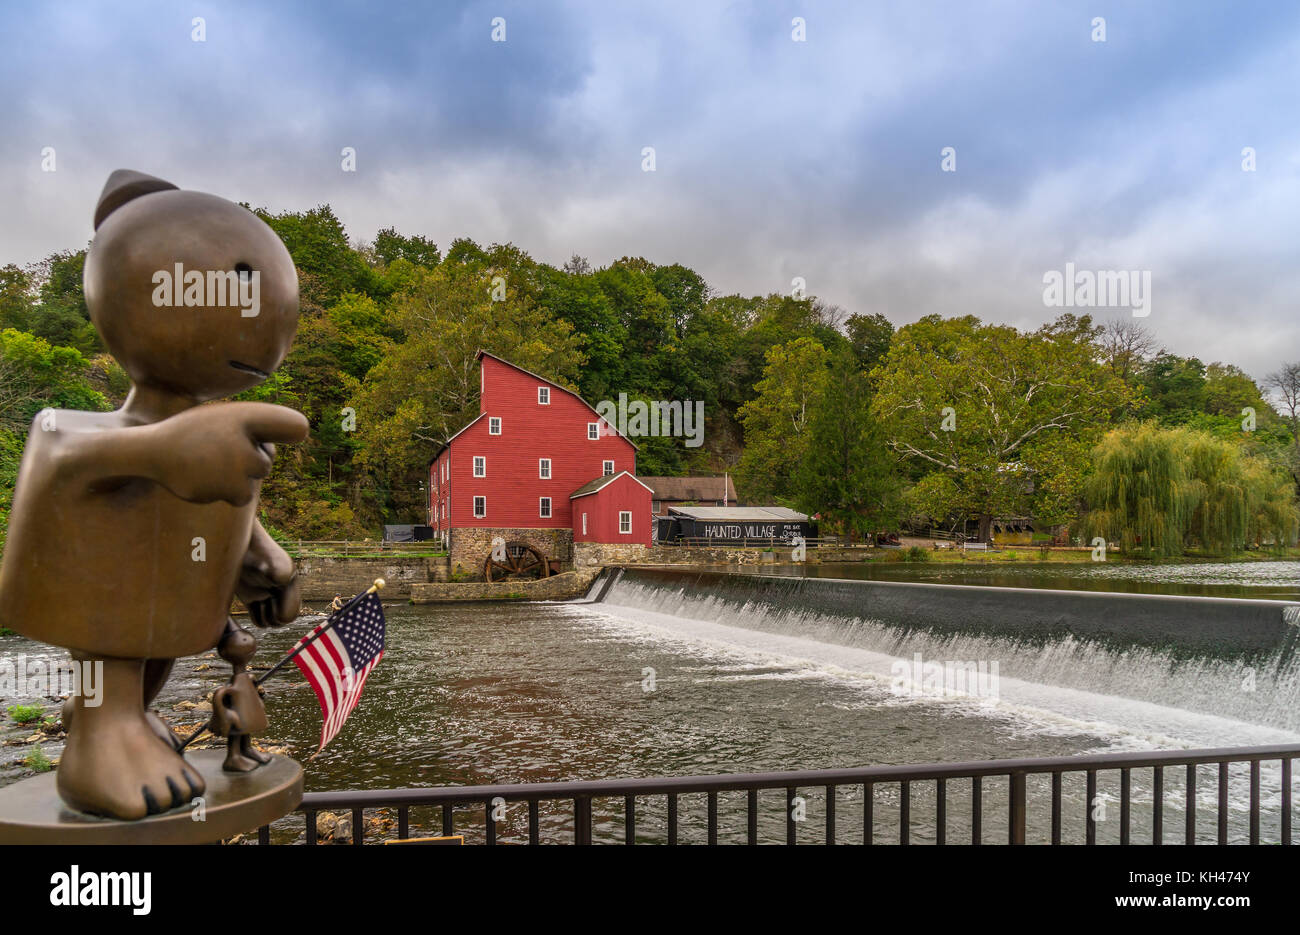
<point x="660" y="680"/>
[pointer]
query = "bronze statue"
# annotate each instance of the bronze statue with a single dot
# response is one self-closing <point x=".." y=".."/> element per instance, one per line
<point x="237" y="708"/>
<point x="131" y="531"/>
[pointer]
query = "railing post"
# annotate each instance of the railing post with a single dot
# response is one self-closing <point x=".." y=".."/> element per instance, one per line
<point x="1016" y="823"/>
<point x="582" y="820"/>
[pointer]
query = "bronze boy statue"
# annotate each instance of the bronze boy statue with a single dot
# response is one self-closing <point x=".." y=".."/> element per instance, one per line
<point x="132" y="530"/>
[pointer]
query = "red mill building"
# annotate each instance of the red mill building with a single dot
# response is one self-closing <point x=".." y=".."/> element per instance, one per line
<point x="538" y="467"/>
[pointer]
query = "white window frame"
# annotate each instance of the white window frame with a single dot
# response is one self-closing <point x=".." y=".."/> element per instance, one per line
<point x="544" y="471"/>
<point x="544" y="507"/>
<point x="593" y="431"/>
<point x="543" y="396"/>
<point x="477" y="513"/>
<point x="480" y="461"/>
<point x="494" y="425"/>
<point x="621" y="530"/>
<point x="584" y="524"/>
<point x="607" y="468"/>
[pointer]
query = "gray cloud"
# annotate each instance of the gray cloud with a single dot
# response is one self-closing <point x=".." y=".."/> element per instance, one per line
<point x="775" y="159"/>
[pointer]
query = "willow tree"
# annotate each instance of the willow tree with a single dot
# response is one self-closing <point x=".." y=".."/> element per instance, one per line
<point x="1161" y="491"/>
<point x="1140" y="492"/>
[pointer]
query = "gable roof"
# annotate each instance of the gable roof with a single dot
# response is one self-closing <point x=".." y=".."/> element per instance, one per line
<point x="482" y="353"/>
<point x="600" y="483"/>
<point x="692" y="488"/>
<point x="447" y="444"/>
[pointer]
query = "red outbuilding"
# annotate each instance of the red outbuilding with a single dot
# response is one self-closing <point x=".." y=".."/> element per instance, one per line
<point x="513" y="469"/>
<point x="613" y="510"/>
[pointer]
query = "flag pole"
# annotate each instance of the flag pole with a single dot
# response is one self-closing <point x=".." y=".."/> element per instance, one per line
<point x="334" y="615"/>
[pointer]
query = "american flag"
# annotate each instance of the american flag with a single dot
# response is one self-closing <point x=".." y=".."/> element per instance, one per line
<point x="338" y="662"/>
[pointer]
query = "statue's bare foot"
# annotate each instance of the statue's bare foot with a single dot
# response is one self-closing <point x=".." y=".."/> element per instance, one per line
<point x="247" y="749"/>
<point x="114" y="762"/>
<point x="236" y="762"/>
<point x="159" y="727"/>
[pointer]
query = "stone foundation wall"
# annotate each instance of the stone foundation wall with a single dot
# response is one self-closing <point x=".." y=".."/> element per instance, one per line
<point x="322" y="578"/>
<point x="717" y="555"/>
<point x="569" y="584"/>
<point x="470" y="547"/>
<point x="588" y="554"/>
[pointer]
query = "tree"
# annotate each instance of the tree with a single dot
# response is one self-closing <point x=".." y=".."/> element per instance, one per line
<point x="847" y="473"/>
<point x="776" y="421"/>
<point x="997" y="412"/>
<point x="1174" y="388"/>
<point x="390" y="246"/>
<point x="34" y="374"/>
<point x="869" y="336"/>
<point x="59" y="314"/>
<point x="1124" y="346"/>
<point x="1285" y="381"/>
<point x="1160" y="491"/>
<point x="328" y="266"/>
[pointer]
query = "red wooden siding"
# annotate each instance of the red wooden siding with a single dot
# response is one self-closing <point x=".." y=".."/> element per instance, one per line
<point x="529" y="432"/>
<point x="623" y="494"/>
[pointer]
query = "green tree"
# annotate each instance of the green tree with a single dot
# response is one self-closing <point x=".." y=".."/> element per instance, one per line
<point x="999" y="412"/>
<point x="1174" y="388"/>
<point x="777" y="419"/>
<point x="390" y="246"/>
<point x="848" y="474"/>
<point x="1159" y="491"/>
<point x="869" y="336"/>
<point x="59" y="314"/>
<point x="328" y="266"/>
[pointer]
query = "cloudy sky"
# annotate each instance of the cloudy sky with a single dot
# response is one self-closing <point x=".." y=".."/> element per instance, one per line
<point x="774" y="158"/>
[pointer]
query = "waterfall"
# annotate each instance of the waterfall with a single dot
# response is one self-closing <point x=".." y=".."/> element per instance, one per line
<point x="1227" y="657"/>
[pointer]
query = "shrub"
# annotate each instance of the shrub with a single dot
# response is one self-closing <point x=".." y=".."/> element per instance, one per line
<point x="37" y="760"/>
<point x="26" y="713"/>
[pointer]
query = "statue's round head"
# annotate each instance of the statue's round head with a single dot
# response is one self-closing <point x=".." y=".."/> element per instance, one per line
<point x="191" y="293"/>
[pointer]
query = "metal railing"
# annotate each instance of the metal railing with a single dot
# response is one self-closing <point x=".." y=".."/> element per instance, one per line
<point x="572" y="820"/>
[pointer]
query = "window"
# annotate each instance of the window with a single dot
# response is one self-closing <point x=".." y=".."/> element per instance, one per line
<point x="480" y="466"/>
<point x="656" y="506"/>
<point x="584" y="524"/>
<point x="607" y="468"/>
<point x="593" y="430"/>
<point x="544" y="507"/>
<point x="625" y="522"/>
<point x="544" y="468"/>
<point x="543" y="396"/>
<point x="494" y="425"/>
<point x="480" y="507"/>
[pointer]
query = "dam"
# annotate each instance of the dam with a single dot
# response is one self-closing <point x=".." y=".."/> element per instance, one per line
<point x="1232" y="658"/>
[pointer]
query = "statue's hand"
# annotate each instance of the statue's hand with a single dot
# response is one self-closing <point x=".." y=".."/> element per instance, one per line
<point x="268" y="582"/>
<point x="219" y="452"/>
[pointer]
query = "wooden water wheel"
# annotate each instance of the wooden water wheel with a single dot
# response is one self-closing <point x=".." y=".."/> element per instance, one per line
<point x="522" y="562"/>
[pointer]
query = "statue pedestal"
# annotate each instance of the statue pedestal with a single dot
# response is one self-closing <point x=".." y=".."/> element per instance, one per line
<point x="31" y="811"/>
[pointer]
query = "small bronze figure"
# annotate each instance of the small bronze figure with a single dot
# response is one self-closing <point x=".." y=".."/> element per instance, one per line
<point x="132" y="530"/>
<point x="237" y="708"/>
